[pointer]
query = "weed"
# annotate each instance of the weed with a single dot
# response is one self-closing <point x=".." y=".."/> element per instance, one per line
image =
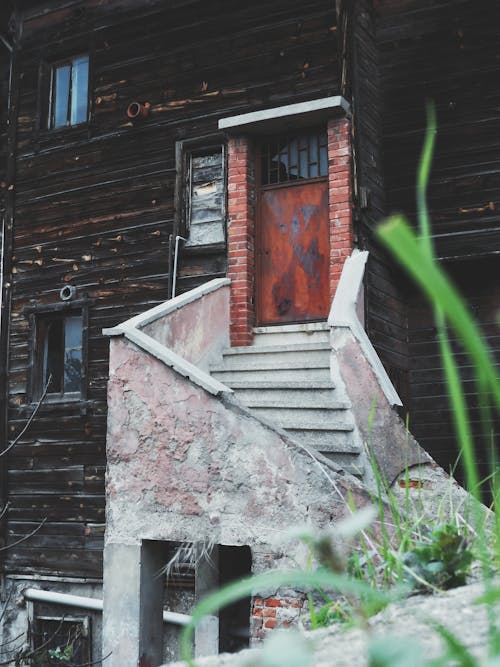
<point x="443" y="561"/>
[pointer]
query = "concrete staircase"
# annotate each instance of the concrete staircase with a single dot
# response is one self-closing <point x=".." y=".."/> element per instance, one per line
<point x="285" y="378"/>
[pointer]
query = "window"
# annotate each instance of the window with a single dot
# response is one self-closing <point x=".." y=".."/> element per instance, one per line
<point x="293" y="158"/>
<point x="69" y="92"/>
<point x="201" y="197"/>
<point x="59" y="355"/>
<point x="65" y="640"/>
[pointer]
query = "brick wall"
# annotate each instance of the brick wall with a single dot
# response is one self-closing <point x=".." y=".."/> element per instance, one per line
<point x="241" y="235"/>
<point x="241" y="231"/>
<point x="339" y="197"/>
<point x="275" y="612"/>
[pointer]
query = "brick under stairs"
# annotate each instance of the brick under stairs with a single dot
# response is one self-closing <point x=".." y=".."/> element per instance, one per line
<point x="285" y="378"/>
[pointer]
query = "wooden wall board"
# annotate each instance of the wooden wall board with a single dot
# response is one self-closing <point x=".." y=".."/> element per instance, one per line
<point x="95" y="209"/>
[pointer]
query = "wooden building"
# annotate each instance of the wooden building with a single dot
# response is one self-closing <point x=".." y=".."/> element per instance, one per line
<point x="110" y="130"/>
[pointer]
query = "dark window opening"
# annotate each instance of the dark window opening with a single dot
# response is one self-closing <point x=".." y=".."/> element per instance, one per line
<point x="292" y="158"/>
<point x="58" y="641"/>
<point x="69" y="92"/>
<point x="59" y="355"/>
<point x="234" y="634"/>
<point x="187" y="571"/>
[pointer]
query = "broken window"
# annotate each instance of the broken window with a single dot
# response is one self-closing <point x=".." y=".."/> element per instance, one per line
<point x="204" y="195"/>
<point x="292" y="158"/>
<point x="69" y="92"/>
<point x="63" y="640"/>
<point x="59" y="355"/>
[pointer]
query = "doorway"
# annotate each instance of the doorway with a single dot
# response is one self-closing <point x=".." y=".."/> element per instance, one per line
<point x="292" y="239"/>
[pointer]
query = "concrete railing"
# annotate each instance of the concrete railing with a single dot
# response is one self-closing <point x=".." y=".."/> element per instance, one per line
<point x="186" y="333"/>
<point x="347" y="311"/>
<point x="369" y="388"/>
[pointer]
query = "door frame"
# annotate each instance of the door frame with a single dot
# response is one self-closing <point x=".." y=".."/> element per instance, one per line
<point x="242" y="212"/>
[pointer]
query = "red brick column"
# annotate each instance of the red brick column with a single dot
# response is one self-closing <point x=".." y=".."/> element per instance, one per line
<point x="241" y="261"/>
<point x="339" y="197"/>
<point x="241" y="229"/>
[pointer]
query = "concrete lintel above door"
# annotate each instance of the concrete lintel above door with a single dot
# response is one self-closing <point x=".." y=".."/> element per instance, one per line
<point x="289" y="116"/>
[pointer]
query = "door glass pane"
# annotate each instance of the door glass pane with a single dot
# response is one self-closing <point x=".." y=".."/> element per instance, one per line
<point x="290" y="158"/>
<point x="293" y="152"/>
<point x="323" y="160"/>
<point x="61" y="95"/>
<point x="80" y="90"/>
<point x="313" y="156"/>
<point x="303" y="163"/>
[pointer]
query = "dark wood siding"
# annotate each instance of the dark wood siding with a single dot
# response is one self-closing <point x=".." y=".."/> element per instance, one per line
<point x="386" y="310"/>
<point x="430" y="416"/>
<point x="448" y="52"/>
<point x="385" y="303"/>
<point x="95" y="209"/>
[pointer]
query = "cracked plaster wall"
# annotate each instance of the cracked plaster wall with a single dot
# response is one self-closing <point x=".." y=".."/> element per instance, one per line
<point x="185" y="465"/>
<point x="198" y="331"/>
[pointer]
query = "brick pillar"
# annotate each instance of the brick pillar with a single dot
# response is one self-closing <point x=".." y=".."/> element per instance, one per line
<point x="339" y="197"/>
<point x="241" y="263"/>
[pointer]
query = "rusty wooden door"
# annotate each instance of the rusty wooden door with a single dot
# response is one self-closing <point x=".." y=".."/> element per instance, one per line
<point x="293" y="251"/>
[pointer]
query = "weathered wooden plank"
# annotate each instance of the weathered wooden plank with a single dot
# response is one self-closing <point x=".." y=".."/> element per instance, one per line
<point x="95" y="206"/>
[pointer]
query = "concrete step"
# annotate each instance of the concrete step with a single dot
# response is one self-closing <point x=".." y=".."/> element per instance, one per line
<point x="326" y="442"/>
<point x="285" y="385"/>
<point x="334" y="425"/>
<point x="293" y="333"/>
<point x="296" y="359"/>
<point x="291" y="398"/>
<point x="288" y="349"/>
<point x="349" y="462"/>
<point x="276" y="373"/>
<point x="285" y="379"/>
<point x="306" y="418"/>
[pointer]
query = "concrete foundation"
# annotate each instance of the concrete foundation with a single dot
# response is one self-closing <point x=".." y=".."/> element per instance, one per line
<point x="133" y="605"/>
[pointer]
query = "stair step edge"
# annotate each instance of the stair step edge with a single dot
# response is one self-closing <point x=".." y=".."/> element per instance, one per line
<point x="320" y="385"/>
<point x="305" y="327"/>
<point x="336" y="449"/>
<point x="283" y="405"/>
<point x="321" y="428"/>
<point x="278" y="366"/>
<point x="273" y="349"/>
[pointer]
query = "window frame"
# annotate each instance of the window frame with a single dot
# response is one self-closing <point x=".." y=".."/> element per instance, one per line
<point x="52" y="92"/>
<point x="61" y="310"/>
<point x="285" y="139"/>
<point x="184" y="152"/>
<point x="37" y="618"/>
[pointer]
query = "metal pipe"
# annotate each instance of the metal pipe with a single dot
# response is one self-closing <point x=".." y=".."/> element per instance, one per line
<point x="176" y="254"/>
<point x="95" y="604"/>
<point x="63" y="598"/>
<point x="137" y="110"/>
<point x="5" y="270"/>
<point x="6" y="43"/>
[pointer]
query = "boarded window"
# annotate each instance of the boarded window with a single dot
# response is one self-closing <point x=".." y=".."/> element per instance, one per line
<point x="205" y="210"/>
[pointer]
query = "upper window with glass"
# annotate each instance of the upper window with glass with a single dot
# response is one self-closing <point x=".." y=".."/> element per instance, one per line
<point x="69" y="92"/>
